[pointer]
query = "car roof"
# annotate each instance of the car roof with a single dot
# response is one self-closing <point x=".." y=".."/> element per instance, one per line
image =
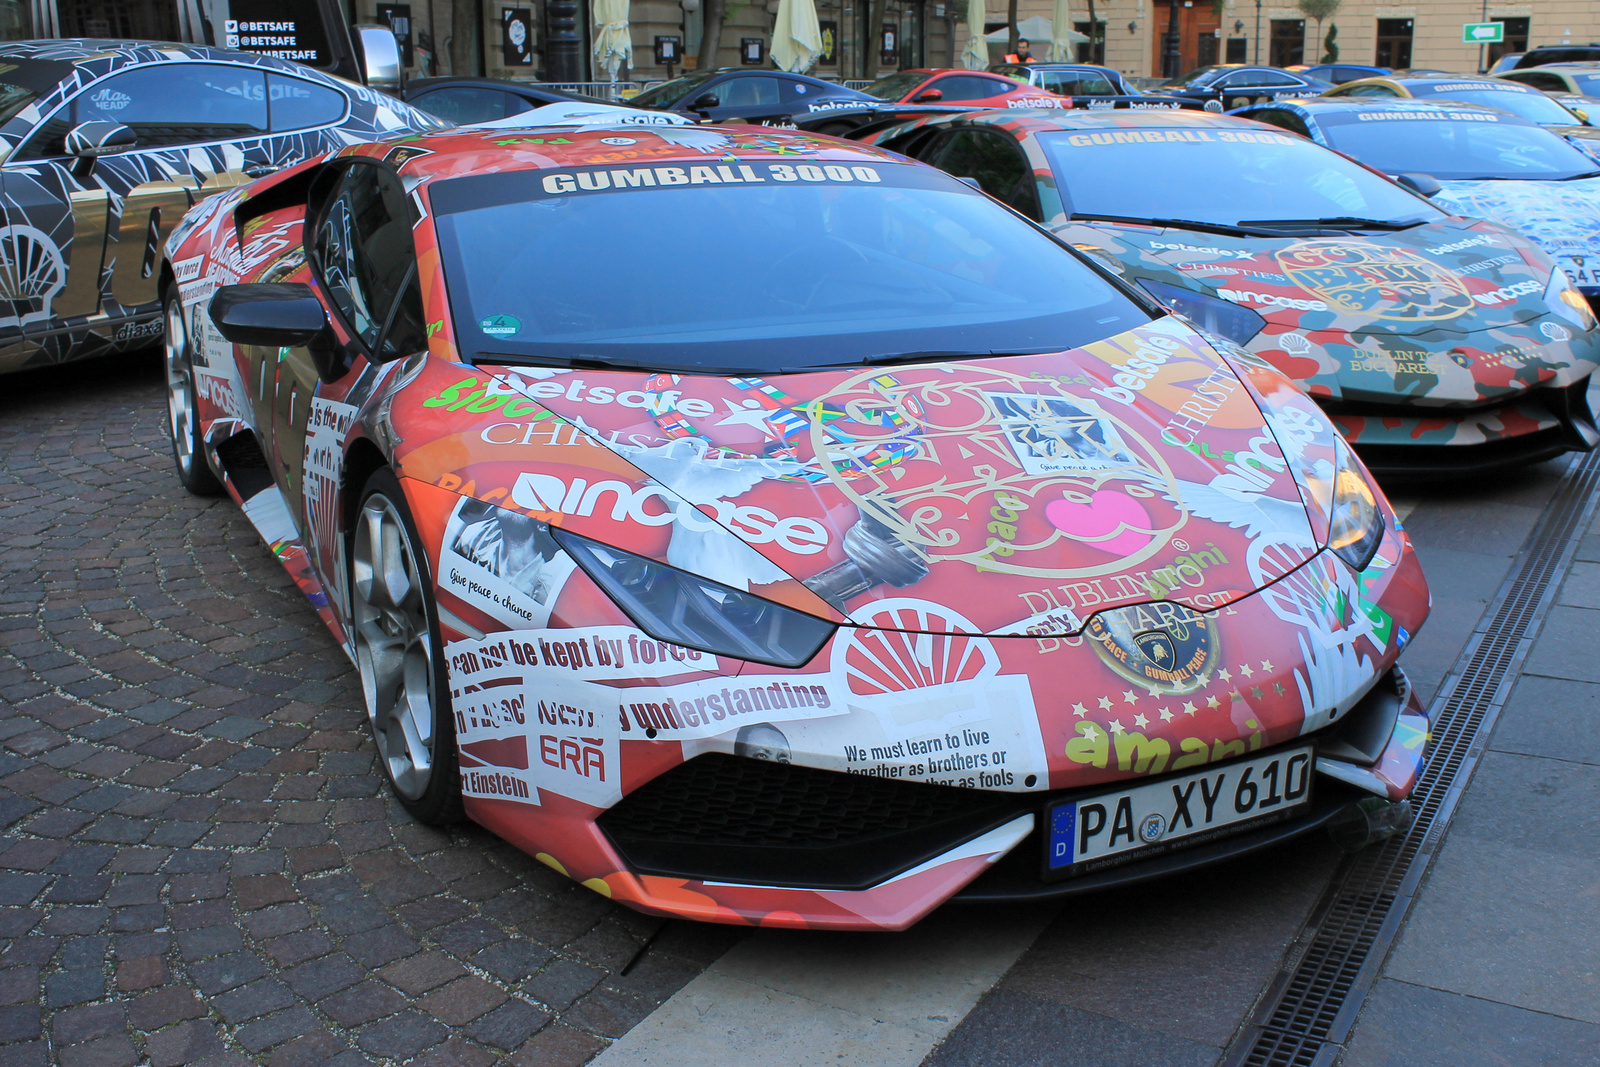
<point x="1465" y="81"/>
<point x="1567" y="68"/>
<point x="465" y="151"/>
<point x="1315" y="105"/>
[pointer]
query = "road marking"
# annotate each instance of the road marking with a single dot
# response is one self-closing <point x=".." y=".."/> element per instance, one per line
<point x="808" y="999"/>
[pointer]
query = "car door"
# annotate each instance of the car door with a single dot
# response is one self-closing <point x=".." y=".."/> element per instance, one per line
<point x="1250" y="86"/>
<point x="364" y="259"/>
<point x="968" y="88"/>
<point x="142" y="193"/>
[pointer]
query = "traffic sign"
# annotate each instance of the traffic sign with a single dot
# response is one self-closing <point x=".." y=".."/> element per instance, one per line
<point x="1483" y="32"/>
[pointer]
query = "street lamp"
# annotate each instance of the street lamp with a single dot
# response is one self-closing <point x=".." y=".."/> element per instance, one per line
<point x="561" y="48"/>
<point x="1256" y="39"/>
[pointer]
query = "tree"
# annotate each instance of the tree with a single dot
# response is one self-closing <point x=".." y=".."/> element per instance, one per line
<point x="1096" y="48"/>
<point x="464" y="50"/>
<point x="1011" y="17"/>
<point x="711" y="35"/>
<point x="1330" y="46"/>
<point x="1319" y="10"/>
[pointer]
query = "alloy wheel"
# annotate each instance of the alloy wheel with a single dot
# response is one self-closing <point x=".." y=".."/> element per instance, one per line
<point x="180" y="389"/>
<point x="394" y="645"/>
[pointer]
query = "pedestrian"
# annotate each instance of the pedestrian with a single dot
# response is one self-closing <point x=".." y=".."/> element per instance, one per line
<point x="1022" y="54"/>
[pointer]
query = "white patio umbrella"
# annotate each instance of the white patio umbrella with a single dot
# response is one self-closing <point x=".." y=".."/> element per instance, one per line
<point x="976" y="55"/>
<point x="613" y="44"/>
<point x="1061" y="42"/>
<point x="796" y="36"/>
<point x="1037" y="30"/>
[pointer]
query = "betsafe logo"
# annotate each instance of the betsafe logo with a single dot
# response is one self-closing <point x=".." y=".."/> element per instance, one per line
<point x="756" y="526"/>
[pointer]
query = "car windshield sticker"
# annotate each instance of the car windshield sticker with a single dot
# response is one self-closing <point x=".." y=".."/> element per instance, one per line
<point x="1084" y="140"/>
<point x="501" y="325"/>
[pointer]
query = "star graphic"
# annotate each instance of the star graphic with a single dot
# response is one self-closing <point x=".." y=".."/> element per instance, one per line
<point x="1117" y="727"/>
<point x="1105" y="703"/>
<point x="1166" y="714"/>
<point x="1213" y="702"/>
<point x="1266" y="665"/>
<point x="1079" y="710"/>
<point x="1277" y="687"/>
<point x="1257" y="692"/>
<point x="755" y="418"/>
<point x="1129" y="696"/>
<point x="1235" y="695"/>
<point x="1153" y="691"/>
<point x="1142" y="721"/>
<point x="1188" y="707"/>
<point x="1244" y="669"/>
<point x="1224" y="675"/>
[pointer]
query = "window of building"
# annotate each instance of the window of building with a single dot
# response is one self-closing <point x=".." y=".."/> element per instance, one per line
<point x="1093" y="50"/>
<point x="1516" y="39"/>
<point x="1288" y="42"/>
<point x="1238" y="48"/>
<point x="1394" y="43"/>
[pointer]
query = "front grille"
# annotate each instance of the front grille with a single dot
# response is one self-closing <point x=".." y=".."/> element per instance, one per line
<point x="729" y="818"/>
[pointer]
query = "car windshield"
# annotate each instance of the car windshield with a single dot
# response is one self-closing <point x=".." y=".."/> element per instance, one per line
<point x="1198" y="77"/>
<point x="896" y="85"/>
<point x="669" y="93"/>
<point x="773" y="267"/>
<point x="1528" y="103"/>
<point x="1588" y="84"/>
<point x="1220" y="177"/>
<point x="1453" y="145"/>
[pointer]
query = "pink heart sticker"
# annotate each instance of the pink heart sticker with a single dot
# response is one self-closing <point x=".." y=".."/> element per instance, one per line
<point x="1108" y="513"/>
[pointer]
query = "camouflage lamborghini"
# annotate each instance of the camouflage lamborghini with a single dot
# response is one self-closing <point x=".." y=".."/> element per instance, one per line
<point x="1437" y="343"/>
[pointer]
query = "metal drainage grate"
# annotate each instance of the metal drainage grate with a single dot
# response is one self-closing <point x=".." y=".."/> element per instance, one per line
<point x="1309" y="1009"/>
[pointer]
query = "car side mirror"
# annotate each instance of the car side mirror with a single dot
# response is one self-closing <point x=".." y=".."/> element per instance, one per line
<point x="1421" y="184"/>
<point x="1583" y="116"/>
<point x="380" y="58"/>
<point x="705" y="102"/>
<point x="928" y="97"/>
<point x="282" y="315"/>
<point x="90" y="139"/>
<point x="969" y="180"/>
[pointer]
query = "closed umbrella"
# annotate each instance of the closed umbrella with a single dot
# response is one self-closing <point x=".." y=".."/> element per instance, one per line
<point x="796" y="36"/>
<point x="976" y="55"/>
<point x="613" y="44"/>
<point x="1060" y="40"/>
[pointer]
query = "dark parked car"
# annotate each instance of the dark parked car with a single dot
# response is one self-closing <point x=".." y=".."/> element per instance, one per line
<point x="743" y="95"/>
<point x="1559" y="53"/>
<point x="1222" y="88"/>
<point x="107" y="143"/>
<point x="1069" y="79"/>
<point x="467" y="100"/>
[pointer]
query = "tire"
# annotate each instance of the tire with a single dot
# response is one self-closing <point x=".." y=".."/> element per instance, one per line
<point x="183" y="411"/>
<point x="399" y="655"/>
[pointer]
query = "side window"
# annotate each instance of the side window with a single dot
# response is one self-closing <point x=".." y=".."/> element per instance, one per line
<point x="748" y="92"/>
<point x="1551" y="82"/>
<point x="1284" y="120"/>
<point x="1368" y="90"/>
<point x="967" y="87"/>
<point x="799" y="90"/>
<point x="465" y="103"/>
<point x="365" y="258"/>
<point x="166" y="104"/>
<point x="996" y="161"/>
<point x="296" y="104"/>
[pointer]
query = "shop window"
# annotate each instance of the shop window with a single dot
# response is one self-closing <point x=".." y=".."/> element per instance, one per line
<point x="1394" y="43"/>
<point x="1516" y="39"/>
<point x="1288" y="45"/>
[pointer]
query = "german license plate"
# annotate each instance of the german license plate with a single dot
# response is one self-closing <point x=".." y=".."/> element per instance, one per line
<point x="1098" y="831"/>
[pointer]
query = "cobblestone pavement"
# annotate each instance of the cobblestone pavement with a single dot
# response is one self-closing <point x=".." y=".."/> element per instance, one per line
<point x="199" y="861"/>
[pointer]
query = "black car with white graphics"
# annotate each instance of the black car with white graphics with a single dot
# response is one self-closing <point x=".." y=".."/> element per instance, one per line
<point x="1225" y="87"/>
<point x="748" y="95"/>
<point x="104" y="145"/>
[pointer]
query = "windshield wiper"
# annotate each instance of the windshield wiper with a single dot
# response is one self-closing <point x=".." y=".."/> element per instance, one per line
<point x="1239" y="230"/>
<point x="1337" y="222"/>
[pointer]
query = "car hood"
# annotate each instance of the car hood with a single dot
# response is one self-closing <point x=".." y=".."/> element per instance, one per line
<point x="1562" y="217"/>
<point x="1022" y="494"/>
<point x="1428" y="312"/>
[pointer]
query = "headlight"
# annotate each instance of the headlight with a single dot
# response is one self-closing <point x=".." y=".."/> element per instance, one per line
<point x="676" y="606"/>
<point x="1229" y="321"/>
<point x="1563" y="298"/>
<point x="1357" y="524"/>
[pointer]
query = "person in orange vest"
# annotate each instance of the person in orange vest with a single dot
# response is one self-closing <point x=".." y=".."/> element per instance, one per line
<point x="1021" y="55"/>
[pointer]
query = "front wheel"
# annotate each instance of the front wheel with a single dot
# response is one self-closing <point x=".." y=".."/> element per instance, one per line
<point x="400" y="656"/>
<point x="183" y="409"/>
